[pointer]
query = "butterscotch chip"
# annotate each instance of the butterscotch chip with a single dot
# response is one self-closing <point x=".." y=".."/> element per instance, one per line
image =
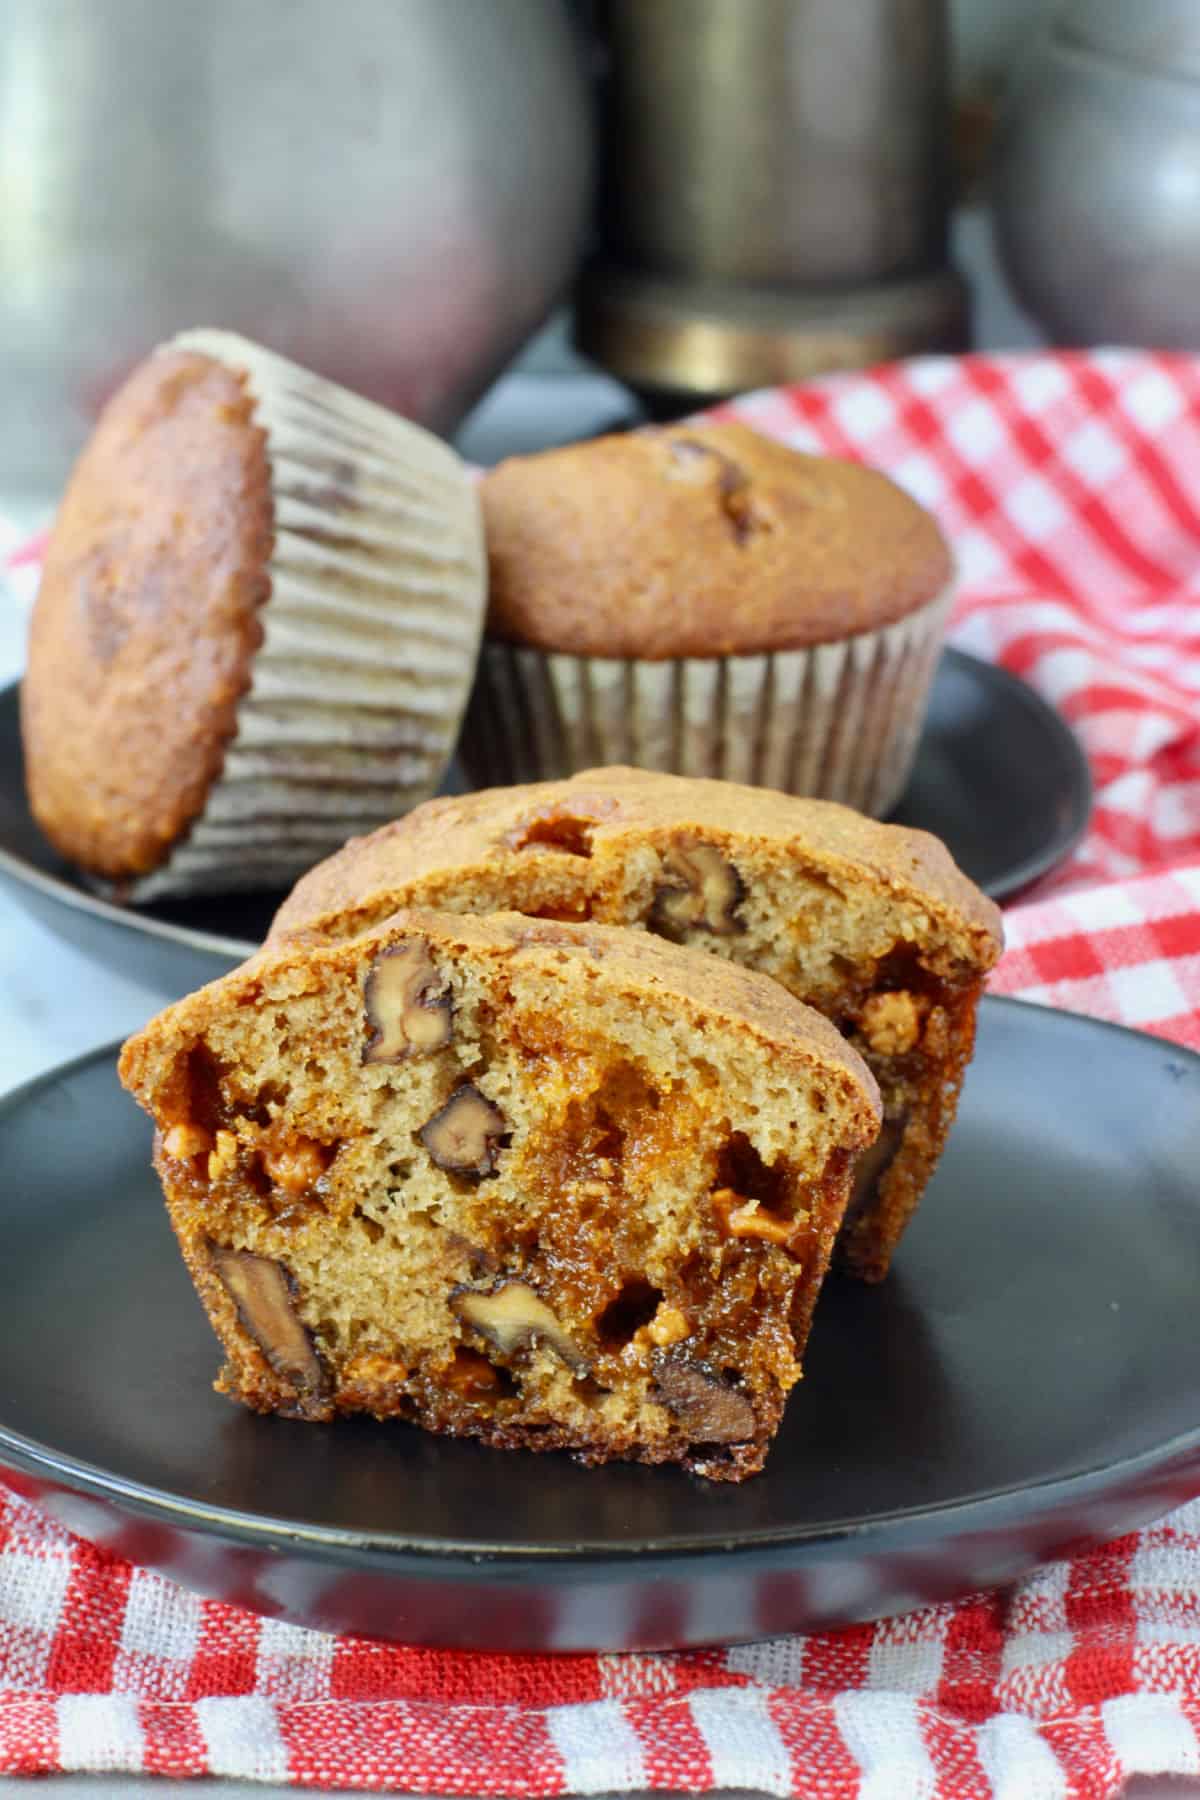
<point x="187" y="1140"/>
<point x="223" y="1158"/>
<point x="372" y="1369"/>
<point x="294" y="1164"/>
<point x="668" y="1326"/>
<point x="748" y="1218"/>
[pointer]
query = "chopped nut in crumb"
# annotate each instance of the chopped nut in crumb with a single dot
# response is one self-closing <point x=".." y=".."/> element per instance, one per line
<point x="407" y="1003"/>
<point x="708" y="1406"/>
<point x="512" y="1317"/>
<point x="465" y="1134"/>
<point x="700" y="891"/>
<point x="263" y="1295"/>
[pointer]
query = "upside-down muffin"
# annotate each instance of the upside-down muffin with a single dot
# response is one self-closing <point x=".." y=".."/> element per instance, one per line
<point x="702" y="600"/>
<point x="549" y="1185"/>
<point x="872" y="924"/>
<point x="256" y="628"/>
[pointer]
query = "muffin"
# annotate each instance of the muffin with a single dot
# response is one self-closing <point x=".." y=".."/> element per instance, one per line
<point x="256" y="627"/>
<point x="872" y="924"/>
<point x="705" y="601"/>
<point x="552" y="1186"/>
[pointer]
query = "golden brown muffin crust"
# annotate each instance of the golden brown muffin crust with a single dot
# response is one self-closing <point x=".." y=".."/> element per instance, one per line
<point x="700" y="540"/>
<point x="429" y="851"/>
<point x="739" y="997"/>
<point x="146" y="621"/>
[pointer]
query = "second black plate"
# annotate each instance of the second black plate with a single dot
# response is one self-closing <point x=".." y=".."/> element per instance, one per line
<point x="999" y="776"/>
<point x="1028" y="1377"/>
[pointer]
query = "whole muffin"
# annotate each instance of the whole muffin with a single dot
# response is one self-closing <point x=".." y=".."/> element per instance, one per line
<point x="256" y="627"/>
<point x="702" y="600"/>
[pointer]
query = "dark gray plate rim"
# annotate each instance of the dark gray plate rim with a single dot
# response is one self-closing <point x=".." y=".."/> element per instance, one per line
<point x="1072" y="764"/>
<point x="956" y="1516"/>
<point x="1075" y="772"/>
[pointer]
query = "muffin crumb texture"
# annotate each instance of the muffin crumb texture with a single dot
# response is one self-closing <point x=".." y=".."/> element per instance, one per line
<point x="871" y="924"/>
<point x="548" y="1185"/>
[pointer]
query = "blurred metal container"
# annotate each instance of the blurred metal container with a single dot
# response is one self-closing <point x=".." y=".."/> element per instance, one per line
<point x="393" y="194"/>
<point x="780" y="169"/>
<point x="776" y="140"/>
<point x="1096" y="181"/>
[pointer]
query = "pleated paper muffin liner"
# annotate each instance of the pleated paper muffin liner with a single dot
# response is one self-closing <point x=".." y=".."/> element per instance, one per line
<point x="838" y="721"/>
<point x="370" y="633"/>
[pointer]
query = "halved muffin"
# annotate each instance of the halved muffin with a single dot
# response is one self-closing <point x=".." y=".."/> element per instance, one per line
<point x="872" y="924"/>
<point x="553" y="1186"/>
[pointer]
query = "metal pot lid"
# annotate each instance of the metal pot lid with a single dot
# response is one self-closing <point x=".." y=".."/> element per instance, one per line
<point x="1162" y="36"/>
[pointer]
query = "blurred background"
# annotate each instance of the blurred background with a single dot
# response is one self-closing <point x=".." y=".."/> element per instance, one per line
<point x="531" y="220"/>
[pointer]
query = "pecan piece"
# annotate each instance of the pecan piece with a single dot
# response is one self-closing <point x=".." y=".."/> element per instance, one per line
<point x="407" y="1003"/>
<point x="710" y="1411"/>
<point x="513" y="1317"/>
<point x="701" y="891"/>
<point x="464" y="1136"/>
<point x="262" y="1292"/>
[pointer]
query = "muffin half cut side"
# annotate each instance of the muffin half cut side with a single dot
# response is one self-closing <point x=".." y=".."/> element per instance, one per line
<point x="871" y="924"/>
<point x="551" y="1186"/>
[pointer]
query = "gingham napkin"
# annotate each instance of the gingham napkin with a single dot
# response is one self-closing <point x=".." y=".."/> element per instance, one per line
<point x="1071" y="487"/>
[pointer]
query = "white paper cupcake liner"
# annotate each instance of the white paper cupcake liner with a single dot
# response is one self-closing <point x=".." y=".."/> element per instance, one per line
<point x="371" y="631"/>
<point x="838" y="721"/>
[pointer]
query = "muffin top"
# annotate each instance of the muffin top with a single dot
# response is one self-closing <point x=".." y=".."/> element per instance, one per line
<point x="146" y="622"/>
<point x="700" y="540"/>
<point x="704" y="990"/>
<point x="594" y="825"/>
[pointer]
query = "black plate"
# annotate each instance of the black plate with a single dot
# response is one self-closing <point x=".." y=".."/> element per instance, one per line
<point x="1029" y="1377"/>
<point x="999" y="776"/>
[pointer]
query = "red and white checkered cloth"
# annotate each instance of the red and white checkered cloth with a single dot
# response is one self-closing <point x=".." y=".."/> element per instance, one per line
<point x="1071" y="487"/>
